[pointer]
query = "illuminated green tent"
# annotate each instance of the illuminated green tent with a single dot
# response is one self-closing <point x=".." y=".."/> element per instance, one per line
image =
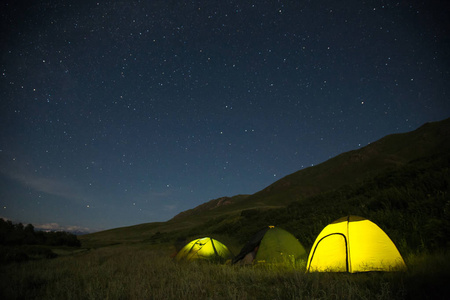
<point x="204" y="249"/>
<point x="271" y="245"/>
<point x="353" y="244"/>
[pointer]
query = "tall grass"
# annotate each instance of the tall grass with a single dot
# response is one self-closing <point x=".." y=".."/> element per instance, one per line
<point x="142" y="272"/>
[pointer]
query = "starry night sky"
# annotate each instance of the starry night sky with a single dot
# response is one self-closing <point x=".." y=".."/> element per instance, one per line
<point x="116" y="113"/>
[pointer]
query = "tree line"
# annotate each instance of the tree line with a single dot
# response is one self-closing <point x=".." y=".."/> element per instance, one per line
<point x="17" y="234"/>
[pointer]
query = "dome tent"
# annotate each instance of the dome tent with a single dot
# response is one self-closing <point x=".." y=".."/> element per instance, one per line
<point x="353" y="244"/>
<point x="204" y="249"/>
<point x="271" y="245"/>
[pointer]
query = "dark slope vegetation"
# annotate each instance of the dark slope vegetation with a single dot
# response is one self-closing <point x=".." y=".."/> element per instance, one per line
<point x="411" y="203"/>
<point x="355" y="166"/>
<point x="400" y="182"/>
<point x="351" y="167"/>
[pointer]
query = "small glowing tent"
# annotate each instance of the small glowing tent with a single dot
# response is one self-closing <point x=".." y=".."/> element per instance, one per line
<point x="271" y="245"/>
<point x="353" y="244"/>
<point x="205" y="249"/>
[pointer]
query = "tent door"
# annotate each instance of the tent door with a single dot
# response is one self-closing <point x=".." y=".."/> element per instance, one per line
<point x="330" y="254"/>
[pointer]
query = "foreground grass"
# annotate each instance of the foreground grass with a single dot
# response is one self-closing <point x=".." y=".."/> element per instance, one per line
<point x="139" y="272"/>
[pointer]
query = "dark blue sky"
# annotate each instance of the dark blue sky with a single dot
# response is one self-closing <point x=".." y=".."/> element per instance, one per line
<point x="116" y="113"/>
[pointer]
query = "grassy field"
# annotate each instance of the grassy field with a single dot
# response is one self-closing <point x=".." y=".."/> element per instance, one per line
<point x="148" y="272"/>
<point x="409" y="201"/>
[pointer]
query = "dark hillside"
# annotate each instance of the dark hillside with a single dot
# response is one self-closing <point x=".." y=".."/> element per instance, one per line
<point x="354" y="166"/>
<point x="400" y="182"/>
<point x="210" y="205"/>
<point x="411" y="203"/>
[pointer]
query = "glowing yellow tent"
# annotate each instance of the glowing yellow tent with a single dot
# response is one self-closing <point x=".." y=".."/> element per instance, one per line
<point x="353" y="244"/>
<point x="206" y="249"/>
<point x="272" y="245"/>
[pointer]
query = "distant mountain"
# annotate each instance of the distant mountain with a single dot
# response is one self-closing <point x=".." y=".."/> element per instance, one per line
<point x="352" y="169"/>
<point x="210" y="205"/>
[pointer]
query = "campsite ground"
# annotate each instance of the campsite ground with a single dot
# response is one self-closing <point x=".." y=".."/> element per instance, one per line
<point x="410" y="202"/>
<point x="143" y="271"/>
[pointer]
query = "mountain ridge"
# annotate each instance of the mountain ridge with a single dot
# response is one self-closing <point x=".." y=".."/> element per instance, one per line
<point x="211" y="204"/>
<point x="347" y="169"/>
<point x="385" y="153"/>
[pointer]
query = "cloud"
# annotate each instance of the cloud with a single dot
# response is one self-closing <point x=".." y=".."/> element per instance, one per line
<point x="57" y="227"/>
<point x="170" y="207"/>
<point x="51" y="186"/>
<point x="48" y="227"/>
